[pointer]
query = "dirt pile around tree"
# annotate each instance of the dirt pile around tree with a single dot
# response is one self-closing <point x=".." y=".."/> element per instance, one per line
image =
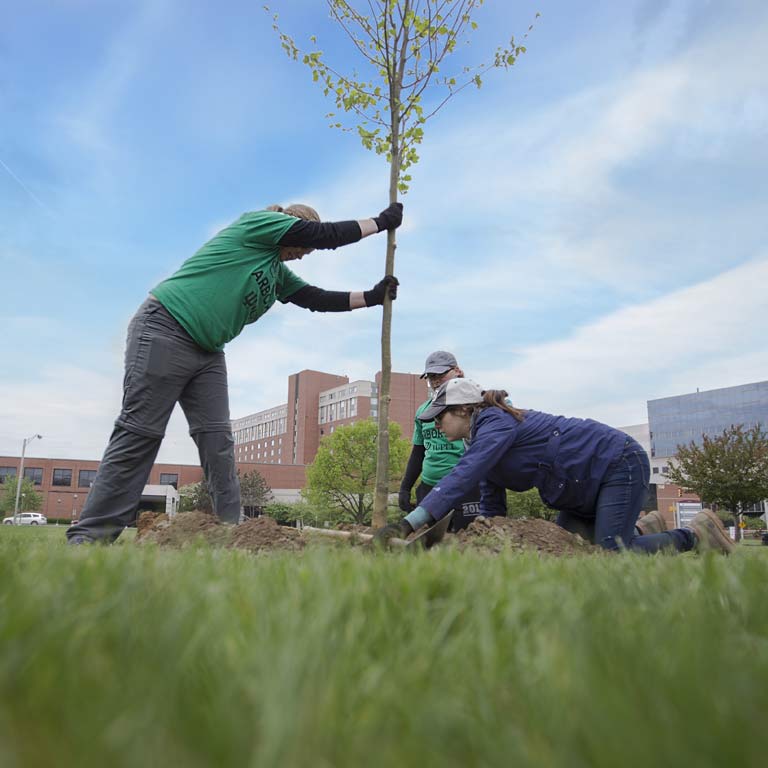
<point x="259" y="534"/>
<point x="185" y="528"/>
<point x="147" y="521"/>
<point x="264" y="534"/>
<point x="508" y="534"/>
<point x="489" y="535"/>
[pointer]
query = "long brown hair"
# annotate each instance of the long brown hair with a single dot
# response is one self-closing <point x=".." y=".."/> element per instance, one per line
<point x="497" y="398"/>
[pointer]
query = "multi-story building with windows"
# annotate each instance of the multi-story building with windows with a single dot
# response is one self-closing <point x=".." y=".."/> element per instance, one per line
<point x="317" y="404"/>
<point x="681" y="419"/>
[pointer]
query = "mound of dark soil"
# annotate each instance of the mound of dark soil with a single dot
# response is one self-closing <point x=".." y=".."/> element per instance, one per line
<point x="187" y="528"/>
<point x="490" y="535"/>
<point x="505" y="534"/>
<point x="264" y="534"/>
<point x="147" y="521"/>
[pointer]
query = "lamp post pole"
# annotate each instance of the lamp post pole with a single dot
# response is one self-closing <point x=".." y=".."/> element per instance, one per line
<point x="20" y="478"/>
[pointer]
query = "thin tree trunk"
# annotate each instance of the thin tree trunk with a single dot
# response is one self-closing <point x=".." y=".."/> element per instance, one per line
<point x="382" y="448"/>
<point x="382" y="454"/>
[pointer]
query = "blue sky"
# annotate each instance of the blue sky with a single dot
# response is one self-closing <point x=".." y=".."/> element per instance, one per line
<point x="587" y="231"/>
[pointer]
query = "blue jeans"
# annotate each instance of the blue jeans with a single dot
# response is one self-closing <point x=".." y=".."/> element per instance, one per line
<point x="619" y="501"/>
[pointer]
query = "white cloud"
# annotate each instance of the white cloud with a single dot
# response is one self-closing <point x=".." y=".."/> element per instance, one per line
<point x="709" y="335"/>
<point x="74" y="409"/>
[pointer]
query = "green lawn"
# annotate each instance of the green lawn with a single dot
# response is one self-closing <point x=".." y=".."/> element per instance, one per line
<point x="125" y="656"/>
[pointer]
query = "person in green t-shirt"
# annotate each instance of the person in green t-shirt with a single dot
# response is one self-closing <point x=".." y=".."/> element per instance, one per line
<point x="174" y="351"/>
<point x="433" y="456"/>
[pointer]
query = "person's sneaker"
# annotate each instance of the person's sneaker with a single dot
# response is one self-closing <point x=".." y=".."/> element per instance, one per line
<point x="710" y="533"/>
<point x="653" y="522"/>
<point x="79" y="539"/>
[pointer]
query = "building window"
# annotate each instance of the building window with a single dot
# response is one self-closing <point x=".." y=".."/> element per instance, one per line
<point x="7" y="472"/>
<point x="85" y="478"/>
<point x="62" y="477"/>
<point x="655" y="470"/>
<point x="35" y="474"/>
<point x="169" y="479"/>
<point x="664" y="469"/>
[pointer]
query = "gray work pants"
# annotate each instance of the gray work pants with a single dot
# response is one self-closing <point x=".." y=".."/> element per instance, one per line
<point x="163" y="366"/>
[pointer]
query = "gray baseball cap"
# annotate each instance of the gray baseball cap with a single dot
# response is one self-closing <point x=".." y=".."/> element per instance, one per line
<point x="439" y="362"/>
<point x="453" y="392"/>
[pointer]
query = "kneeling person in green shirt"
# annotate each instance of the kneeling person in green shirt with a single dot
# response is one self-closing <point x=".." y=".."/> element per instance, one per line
<point x="433" y="456"/>
<point x="174" y="351"/>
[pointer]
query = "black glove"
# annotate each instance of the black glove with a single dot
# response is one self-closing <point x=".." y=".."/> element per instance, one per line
<point x="390" y="218"/>
<point x="376" y="295"/>
<point x="399" y="530"/>
<point x="404" y="500"/>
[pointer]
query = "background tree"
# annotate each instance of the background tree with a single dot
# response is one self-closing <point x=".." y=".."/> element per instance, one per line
<point x="255" y="494"/>
<point x="302" y="511"/>
<point x="29" y="499"/>
<point x="404" y="75"/>
<point x="729" y="470"/>
<point x="284" y="512"/>
<point x="342" y="478"/>
<point x="195" y="496"/>
<point x="528" y="504"/>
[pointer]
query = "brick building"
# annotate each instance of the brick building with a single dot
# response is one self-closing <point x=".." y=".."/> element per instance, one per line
<point x="317" y="404"/>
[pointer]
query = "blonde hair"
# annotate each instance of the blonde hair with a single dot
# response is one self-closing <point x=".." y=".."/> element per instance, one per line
<point x="299" y="210"/>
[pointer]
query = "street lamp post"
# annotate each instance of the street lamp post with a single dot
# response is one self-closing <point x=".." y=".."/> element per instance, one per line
<point x="20" y="478"/>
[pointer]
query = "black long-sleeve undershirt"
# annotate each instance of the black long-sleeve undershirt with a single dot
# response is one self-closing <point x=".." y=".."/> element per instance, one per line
<point x="321" y="234"/>
<point x="319" y="300"/>
<point x="413" y="469"/>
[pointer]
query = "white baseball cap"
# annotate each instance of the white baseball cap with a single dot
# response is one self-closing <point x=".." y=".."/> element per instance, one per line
<point x="453" y="392"/>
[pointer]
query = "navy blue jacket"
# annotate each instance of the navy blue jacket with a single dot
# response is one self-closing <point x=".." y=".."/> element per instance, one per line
<point x="566" y="459"/>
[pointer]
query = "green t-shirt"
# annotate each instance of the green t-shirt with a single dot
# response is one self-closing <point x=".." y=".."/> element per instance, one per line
<point x="440" y="454"/>
<point x="231" y="281"/>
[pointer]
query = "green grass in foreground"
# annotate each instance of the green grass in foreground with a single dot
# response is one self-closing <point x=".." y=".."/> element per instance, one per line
<point x="125" y="656"/>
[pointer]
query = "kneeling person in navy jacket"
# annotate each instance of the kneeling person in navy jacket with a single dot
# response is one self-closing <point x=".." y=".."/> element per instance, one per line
<point x="594" y="475"/>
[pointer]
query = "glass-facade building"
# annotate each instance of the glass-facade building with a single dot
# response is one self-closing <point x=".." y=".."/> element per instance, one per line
<point x="679" y="420"/>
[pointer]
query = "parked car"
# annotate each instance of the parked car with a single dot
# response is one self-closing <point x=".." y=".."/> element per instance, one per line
<point x="27" y="518"/>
